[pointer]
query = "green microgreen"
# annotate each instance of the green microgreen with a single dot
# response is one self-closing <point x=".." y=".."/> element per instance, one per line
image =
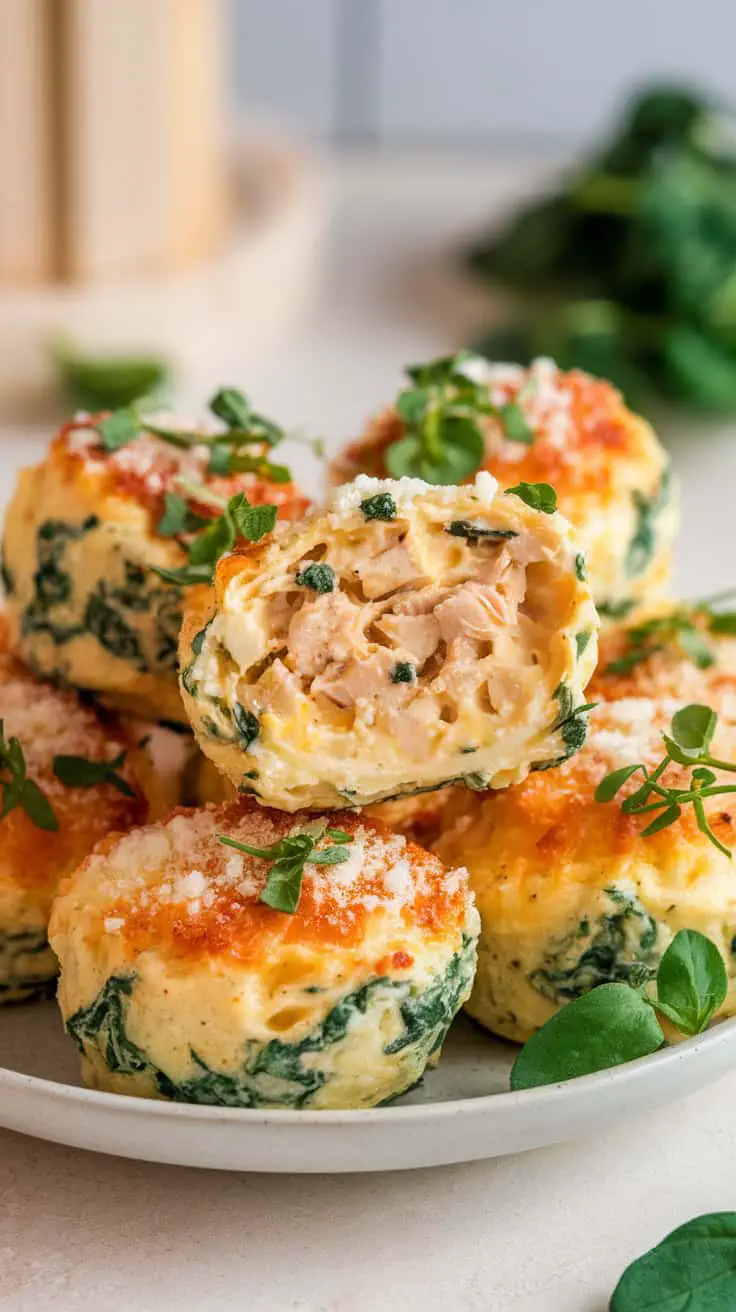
<point x="178" y="518"/>
<point x="16" y="789"/>
<point x="79" y="772"/>
<point x="442" y="412"/>
<point x="687" y="744"/>
<point x="538" y="496"/>
<point x="681" y="628"/>
<point x="238" y="520"/>
<point x="317" y="576"/>
<point x="616" y="1023"/>
<point x="288" y="858"/>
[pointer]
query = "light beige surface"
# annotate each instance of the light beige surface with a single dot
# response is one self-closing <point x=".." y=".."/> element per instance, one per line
<point x="547" y="1232"/>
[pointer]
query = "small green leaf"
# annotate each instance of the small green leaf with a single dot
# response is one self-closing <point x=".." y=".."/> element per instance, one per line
<point x="178" y="518"/>
<point x="693" y="1269"/>
<point x="538" y="496"/>
<point x="221" y="459"/>
<point x="580" y="573"/>
<point x="725" y="623"/>
<point x="691" y="981"/>
<point x="514" y="424"/>
<point x="120" y="428"/>
<point x="283" y="886"/>
<point x="317" y="576"/>
<point x="381" y="506"/>
<point x="611" y="783"/>
<point x="232" y="407"/>
<point x="79" y="772"/>
<point x="669" y="816"/>
<point x="339" y="835"/>
<point x="608" y="1026"/>
<point x="329" y="856"/>
<point x="253" y="522"/>
<point x="693" y="727"/>
<point x="37" y="806"/>
<point x="581" y="642"/>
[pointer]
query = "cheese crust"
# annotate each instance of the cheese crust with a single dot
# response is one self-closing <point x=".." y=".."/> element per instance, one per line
<point x="178" y="982"/>
<point x="355" y="657"/>
<point x="569" y="893"/>
<point x="80" y="549"/>
<point x="33" y="861"/>
<point x="606" y="464"/>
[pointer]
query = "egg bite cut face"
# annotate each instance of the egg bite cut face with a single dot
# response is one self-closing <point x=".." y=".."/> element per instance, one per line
<point x="569" y="892"/>
<point x="605" y="462"/>
<point x="403" y="637"/>
<point x="82" y="542"/>
<point x="48" y="722"/>
<point x="179" y="982"/>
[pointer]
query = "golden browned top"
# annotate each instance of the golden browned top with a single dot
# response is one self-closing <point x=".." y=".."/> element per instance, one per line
<point x="49" y="721"/>
<point x="147" y="468"/>
<point x="648" y="659"/>
<point x="584" y="435"/>
<point x="175" y="888"/>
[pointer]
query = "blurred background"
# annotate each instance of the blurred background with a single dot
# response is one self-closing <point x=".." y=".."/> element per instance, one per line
<point x="300" y="196"/>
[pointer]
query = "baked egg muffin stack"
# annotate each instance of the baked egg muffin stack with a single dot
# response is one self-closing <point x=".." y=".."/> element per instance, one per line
<point x="411" y="663"/>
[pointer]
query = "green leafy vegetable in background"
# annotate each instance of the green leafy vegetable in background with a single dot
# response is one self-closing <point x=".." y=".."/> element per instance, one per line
<point x="16" y="789"/>
<point x="687" y="744"/>
<point x="107" y="382"/>
<point x="693" y="1269"/>
<point x="628" y="269"/>
<point x="288" y="857"/>
<point x="616" y="1023"/>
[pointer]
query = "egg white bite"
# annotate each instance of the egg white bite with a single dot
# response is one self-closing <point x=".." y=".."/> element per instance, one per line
<point x="609" y="470"/>
<point x="84" y="534"/>
<point x="672" y="649"/>
<point x="48" y="722"/>
<point x="178" y="982"/>
<point x="570" y="894"/>
<point x="401" y="638"/>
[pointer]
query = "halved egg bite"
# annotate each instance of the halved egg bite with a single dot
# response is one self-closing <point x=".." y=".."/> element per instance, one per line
<point x="84" y="533"/>
<point x="570" y="894"/>
<point x="179" y="981"/>
<point x="608" y="468"/>
<point x="46" y="724"/>
<point x="405" y="637"/>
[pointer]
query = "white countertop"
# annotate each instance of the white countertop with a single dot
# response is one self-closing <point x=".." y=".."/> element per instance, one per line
<point x="549" y="1231"/>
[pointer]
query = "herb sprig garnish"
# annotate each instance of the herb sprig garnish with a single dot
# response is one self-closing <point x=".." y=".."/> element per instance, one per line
<point x="680" y="629"/>
<point x="79" y="772"/>
<point x="687" y="744"/>
<point x="288" y="858"/>
<point x="239" y="519"/>
<point x="16" y="789"/>
<point x="228" y="450"/>
<point x="441" y="412"/>
<point x="616" y="1023"/>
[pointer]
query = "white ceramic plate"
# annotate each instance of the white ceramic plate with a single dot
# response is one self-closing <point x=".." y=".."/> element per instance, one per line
<point x="459" y="1114"/>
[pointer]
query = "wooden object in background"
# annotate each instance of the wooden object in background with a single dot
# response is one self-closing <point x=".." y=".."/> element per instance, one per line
<point x="111" y="137"/>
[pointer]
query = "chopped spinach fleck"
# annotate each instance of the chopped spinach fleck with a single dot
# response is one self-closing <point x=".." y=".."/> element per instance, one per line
<point x="404" y="672"/>
<point x="580" y="571"/>
<point x="621" y="946"/>
<point x="643" y="542"/>
<point x="380" y="506"/>
<point x="581" y="642"/>
<point x="21" y="978"/>
<point x="475" y="533"/>
<point x="318" y="576"/>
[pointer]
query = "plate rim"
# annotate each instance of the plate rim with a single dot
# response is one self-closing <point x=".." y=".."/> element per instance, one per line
<point x="721" y="1033"/>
